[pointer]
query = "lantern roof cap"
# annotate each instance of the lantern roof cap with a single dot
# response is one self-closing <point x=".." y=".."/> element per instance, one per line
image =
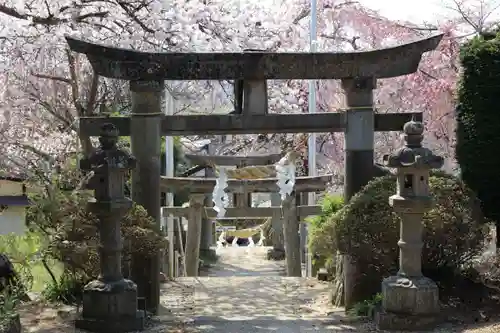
<point x="413" y="154"/>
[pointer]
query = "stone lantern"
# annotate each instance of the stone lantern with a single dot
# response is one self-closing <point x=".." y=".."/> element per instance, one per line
<point x="410" y="300"/>
<point x="110" y="302"/>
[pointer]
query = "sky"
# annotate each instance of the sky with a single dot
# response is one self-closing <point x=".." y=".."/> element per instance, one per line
<point x="427" y="11"/>
<point x="414" y="11"/>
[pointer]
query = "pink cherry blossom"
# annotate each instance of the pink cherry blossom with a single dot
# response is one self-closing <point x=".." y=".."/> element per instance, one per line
<point x="45" y="88"/>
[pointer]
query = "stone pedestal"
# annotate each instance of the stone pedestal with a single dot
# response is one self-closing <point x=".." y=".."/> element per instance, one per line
<point x="276" y="254"/>
<point x="110" y="307"/>
<point x="410" y="304"/>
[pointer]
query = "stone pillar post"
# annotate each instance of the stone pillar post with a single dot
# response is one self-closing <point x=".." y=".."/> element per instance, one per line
<point x="192" y="260"/>
<point x="207" y="227"/>
<point x="242" y="199"/>
<point x="302" y="200"/>
<point x="146" y="146"/>
<point x="358" y="169"/>
<point x="291" y="237"/>
<point x="110" y="302"/>
<point x="410" y="300"/>
<point x="276" y="233"/>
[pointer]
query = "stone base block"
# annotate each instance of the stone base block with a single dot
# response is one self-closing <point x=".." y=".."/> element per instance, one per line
<point x="120" y="324"/>
<point x="413" y="295"/>
<point x="276" y="254"/>
<point x="322" y="274"/>
<point x="110" y="299"/>
<point x="208" y="255"/>
<point x="409" y="303"/>
<point x="405" y="322"/>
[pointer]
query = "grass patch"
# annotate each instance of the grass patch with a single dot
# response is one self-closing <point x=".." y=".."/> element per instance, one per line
<point x="25" y="252"/>
<point x="366" y="308"/>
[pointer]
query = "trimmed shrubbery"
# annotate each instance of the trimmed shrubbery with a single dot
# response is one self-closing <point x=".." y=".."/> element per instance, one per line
<point x="368" y="229"/>
<point x="478" y="120"/>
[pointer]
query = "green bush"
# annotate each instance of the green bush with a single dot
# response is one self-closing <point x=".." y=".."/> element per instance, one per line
<point x="478" y="121"/>
<point x="72" y="237"/>
<point x="24" y="251"/>
<point x="330" y="204"/>
<point x="368" y="229"/>
<point x="21" y="252"/>
<point x="68" y="289"/>
<point x="9" y="301"/>
<point x="367" y="308"/>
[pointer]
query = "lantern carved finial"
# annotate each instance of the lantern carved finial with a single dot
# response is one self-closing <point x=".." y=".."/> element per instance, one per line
<point x="412" y="154"/>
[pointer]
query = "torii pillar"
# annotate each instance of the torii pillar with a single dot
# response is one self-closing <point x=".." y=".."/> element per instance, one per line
<point x="359" y="152"/>
<point x="146" y="146"/>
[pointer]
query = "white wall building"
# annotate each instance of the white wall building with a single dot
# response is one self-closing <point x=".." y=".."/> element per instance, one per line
<point x="13" y="203"/>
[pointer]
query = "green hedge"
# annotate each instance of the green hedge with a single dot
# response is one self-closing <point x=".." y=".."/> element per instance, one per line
<point x="330" y="204"/>
<point x="368" y="229"/>
<point x="478" y="121"/>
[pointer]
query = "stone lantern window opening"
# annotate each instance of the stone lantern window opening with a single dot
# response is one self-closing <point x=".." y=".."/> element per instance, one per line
<point x="408" y="184"/>
<point x="405" y="183"/>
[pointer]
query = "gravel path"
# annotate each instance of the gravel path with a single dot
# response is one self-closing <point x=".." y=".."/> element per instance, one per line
<point x="244" y="292"/>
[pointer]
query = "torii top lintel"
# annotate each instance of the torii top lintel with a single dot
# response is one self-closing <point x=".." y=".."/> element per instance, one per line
<point x="233" y="160"/>
<point x="118" y="63"/>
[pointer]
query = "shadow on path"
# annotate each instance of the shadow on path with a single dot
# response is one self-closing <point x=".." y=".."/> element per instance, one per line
<point x="244" y="292"/>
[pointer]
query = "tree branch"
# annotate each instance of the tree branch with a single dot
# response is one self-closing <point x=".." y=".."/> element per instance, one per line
<point x="50" y="19"/>
<point x="131" y="14"/>
<point x="50" y="77"/>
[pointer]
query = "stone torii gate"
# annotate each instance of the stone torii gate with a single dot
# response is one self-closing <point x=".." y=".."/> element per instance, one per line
<point x="146" y="72"/>
<point x="240" y="199"/>
<point x="198" y="187"/>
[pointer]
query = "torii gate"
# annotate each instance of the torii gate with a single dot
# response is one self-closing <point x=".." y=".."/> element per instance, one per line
<point x="240" y="199"/>
<point x="147" y="71"/>
<point x="198" y="187"/>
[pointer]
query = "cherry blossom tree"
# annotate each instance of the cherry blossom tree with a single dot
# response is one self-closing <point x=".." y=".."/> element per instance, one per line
<point x="46" y="88"/>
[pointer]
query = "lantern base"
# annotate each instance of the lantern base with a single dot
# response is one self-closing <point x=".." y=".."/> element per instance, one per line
<point x="276" y="254"/>
<point x="111" y="307"/>
<point x="405" y="322"/>
<point x="408" y="303"/>
<point x="114" y="324"/>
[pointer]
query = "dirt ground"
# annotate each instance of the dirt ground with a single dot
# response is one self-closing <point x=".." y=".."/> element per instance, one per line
<point x="244" y="292"/>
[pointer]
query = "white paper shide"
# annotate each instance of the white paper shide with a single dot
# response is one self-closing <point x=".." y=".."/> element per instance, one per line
<point x="220" y="197"/>
<point x="285" y="172"/>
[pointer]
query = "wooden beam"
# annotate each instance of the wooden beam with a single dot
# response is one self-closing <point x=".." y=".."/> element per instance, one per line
<point x="255" y="124"/>
<point x="265" y="185"/>
<point x="233" y="160"/>
<point x="237" y="213"/>
<point x="133" y="65"/>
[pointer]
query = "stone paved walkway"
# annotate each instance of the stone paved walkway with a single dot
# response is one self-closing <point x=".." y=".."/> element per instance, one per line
<point x="244" y="292"/>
